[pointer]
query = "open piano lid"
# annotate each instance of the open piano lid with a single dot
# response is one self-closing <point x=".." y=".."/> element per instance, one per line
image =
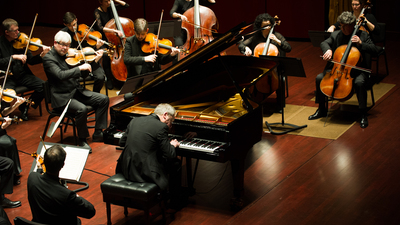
<point x="197" y="78"/>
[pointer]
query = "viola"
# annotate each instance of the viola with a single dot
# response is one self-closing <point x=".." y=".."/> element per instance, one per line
<point x="75" y="57"/>
<point x="338" y="83"/>
<point x="40" y="160"/>
<point x="22" y="40"/>
<point x="84" y="33"/>
<point x="199" y="27"/>
<point x="125" y="25"/>
<point x="150" y="42"/>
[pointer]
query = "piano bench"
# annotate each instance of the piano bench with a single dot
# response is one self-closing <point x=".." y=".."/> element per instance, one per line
<point x="119" y="191"/>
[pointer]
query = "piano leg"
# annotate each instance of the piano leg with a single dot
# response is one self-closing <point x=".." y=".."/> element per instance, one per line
<point x="190" y="180"/>
<point x="237" y="166"/>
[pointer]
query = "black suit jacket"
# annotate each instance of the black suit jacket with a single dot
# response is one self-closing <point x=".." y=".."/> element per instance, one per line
<point x="134" y="58"/>
<point x="52" y="203"/>
<point x="147" y="148"/>
<point x="63" y="80"/>
<point x="17" y="68"/>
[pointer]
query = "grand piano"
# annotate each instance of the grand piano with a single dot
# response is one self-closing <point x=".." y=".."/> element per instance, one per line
<point x="213" y="96"/>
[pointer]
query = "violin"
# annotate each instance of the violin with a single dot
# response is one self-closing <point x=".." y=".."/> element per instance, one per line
<point x="8" y="96"/>
<point x="87" y="54"/>
<point x="84" y="33"/>
<point x="199" y="27"/>
<point x="338" y="83"/>
<point x="40" y="160"/>
<point x="22" y="40"/>
<point x="150" y="42"/>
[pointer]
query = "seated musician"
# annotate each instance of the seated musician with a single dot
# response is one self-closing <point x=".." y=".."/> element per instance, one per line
<point x="8" y="144"/>
<point x="370" y="23"/>
<point x="248" y="46"/>
<point x="177" y="11"/>
<point x="139" y="62"/>
<point x="364" y="44"/>
<point x="71" y="25"/>
<point x="149" y="155"/>
<point x="49" y="200"/>
<point x="22" y="75"/>
<point x="64" y="85"/>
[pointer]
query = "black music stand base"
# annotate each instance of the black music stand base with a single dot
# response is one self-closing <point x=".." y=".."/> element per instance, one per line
<point x="86" y="185"/>
<point x="286" y="127"/>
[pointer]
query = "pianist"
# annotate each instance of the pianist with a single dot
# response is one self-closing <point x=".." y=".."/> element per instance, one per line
<point x="149" y="155"/>
<point x="139" y="62"/>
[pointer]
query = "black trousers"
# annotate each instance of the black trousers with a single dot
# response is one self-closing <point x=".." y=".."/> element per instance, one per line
<point x="360" y="85"/>
<point x="6" y="176"/>
<point x="8" y="149"/>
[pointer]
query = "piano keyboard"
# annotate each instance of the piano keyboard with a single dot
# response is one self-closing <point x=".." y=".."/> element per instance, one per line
<point x="202" y="145"/>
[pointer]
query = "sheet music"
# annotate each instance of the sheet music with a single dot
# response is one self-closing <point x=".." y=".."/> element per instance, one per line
<point x="74" y="162"/>
<point x="59" y="120"/>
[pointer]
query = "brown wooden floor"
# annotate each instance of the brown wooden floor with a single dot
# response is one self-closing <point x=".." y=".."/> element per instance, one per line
<point x="289" y="179"/>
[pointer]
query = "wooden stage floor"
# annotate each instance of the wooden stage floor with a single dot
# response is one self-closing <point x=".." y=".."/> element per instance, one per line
<point x="289" y="179"/>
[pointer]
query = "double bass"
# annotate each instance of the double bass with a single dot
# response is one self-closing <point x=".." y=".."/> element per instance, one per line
<point x="199" y="27"/>
<point x="124" y="25"/>
<point x="338" y="83"/>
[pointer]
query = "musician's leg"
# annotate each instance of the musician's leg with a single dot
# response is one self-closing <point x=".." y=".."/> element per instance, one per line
<point x="99" y="77"/>
<point x="319" y="98"/>
<point x="360" y="86"/>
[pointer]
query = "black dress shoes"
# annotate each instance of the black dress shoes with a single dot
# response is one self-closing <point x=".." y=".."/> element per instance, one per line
<point x="24" y="111"/>
<point x="7" y="203"/>
<point x="364" y="121"/>
<point x="97" y="136"/>
<point x="318" y="114"/>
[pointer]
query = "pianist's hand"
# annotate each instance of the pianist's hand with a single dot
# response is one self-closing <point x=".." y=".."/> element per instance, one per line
<point x="150" y="58"/>
<point x="175" y="143"/>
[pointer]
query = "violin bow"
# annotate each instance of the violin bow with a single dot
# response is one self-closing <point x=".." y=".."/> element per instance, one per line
<point x="5" y="78"/>
<point x="84" y="37"/>
<point x="80" y="46"/>
<point x="30" y="35"/>
<point x="158" y="32"/>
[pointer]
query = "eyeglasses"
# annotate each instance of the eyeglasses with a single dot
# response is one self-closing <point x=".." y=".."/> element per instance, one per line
<point x="13" y="30"/>
<point x="63" y="45"/>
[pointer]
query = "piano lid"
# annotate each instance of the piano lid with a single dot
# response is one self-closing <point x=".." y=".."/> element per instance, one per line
<point x="197" y="79"/>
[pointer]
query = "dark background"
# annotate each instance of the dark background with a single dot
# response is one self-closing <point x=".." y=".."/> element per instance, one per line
<point x="297" y="16"/>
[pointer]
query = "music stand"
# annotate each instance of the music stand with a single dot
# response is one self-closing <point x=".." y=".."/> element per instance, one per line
<point x="287" y="67"/>
<point x="74" y="163"/>
<point x="317" y="37"/>
<point x="133" y="83"/>
<point x="169" y="28"/>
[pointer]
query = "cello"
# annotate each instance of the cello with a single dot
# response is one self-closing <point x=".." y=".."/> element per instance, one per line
<point x="199" y="28"/>
<point x="124" y="25"/>
<point x="270" y="83"/>
<point x="338" y="84"/>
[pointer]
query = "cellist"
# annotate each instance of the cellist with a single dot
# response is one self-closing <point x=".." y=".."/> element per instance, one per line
<point x="71" y="25"/>
<point x="247" y="46"/>
<point x="23" y="76"/>
<point x="102" y="15"/>
<point x="364" y="44"/>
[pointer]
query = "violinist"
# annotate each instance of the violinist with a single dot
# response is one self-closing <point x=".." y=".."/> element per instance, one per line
<point x="22" y="75"/>
<point x="365" y="45"/>
<point x="102" y="15"/>
<point x="64" y="85"/>
<point x="138" y="62"/>
<point x="71" y="25"/>
<point x="177" y="11"/>
<point x="370" y="23"/>
<point x="9" y="155"/>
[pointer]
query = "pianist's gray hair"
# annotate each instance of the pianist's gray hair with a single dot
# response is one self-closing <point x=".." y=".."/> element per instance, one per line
<point x="164" y="107"/>
<point x="63" y="37"/>
<point x="346" y="18"/>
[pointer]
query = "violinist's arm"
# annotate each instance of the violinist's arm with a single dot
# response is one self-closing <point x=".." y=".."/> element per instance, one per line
<point x="6" y="123"/>
<point x="131" y="56"/>
<point x="46" y="49"/>
<point x="120" y="2"/>
<point x="10" y="109"/>
<point x="99" y="54"/>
